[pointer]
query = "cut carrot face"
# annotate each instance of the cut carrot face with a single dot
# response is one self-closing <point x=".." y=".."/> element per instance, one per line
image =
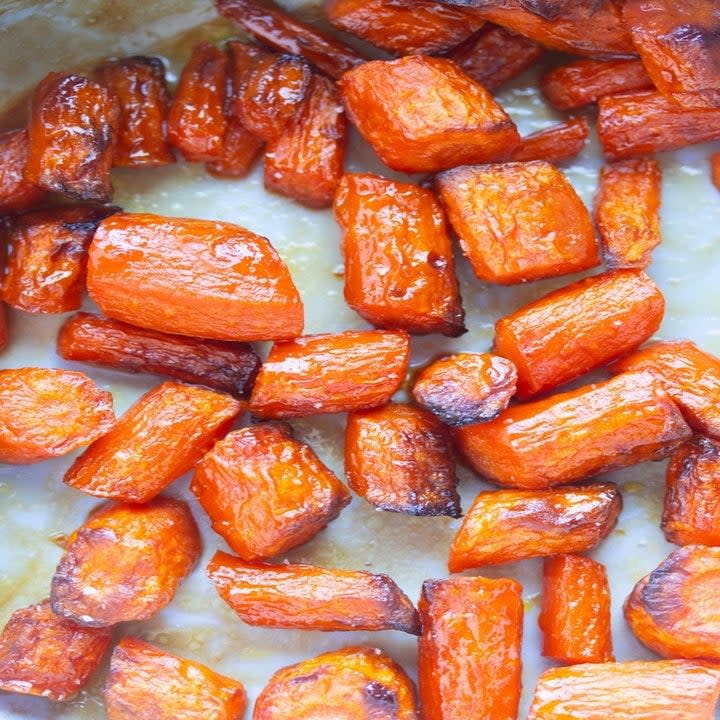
<point x="287" y="596"/>
<point x="627" y="211"/>
<point x="575" y="614"/>
<point x="518" y="221"/>
<point x="469" y="651"/>
<point x="146" y="683"/>
<point x="266" y="492"/>
<point x="353" y="370"/>
<point x="46" y="413"/>
<point x="16" y="193"/>
<point x="356" y="683"/>
<point x="72" y="133"/>
<point x="423" y="114"/>
<point x="156" y="441"/>
<point x="559" y="142"/>
<point x="399" y="265"/>
<point x="139" y="85"/>
<point x="574" y="435"/>
<point x="579" y="327"/>
<point x="399" y="458"/>
<point x="44" y="654"/>
<point x="504" y="526"/>
<point x="125" y="563"/>
<point x="235" y="286"/>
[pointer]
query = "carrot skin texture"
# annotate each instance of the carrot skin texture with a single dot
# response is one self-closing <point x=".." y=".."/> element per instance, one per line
<point x="286" y="596"/>
<point x="556" y="143"/>
<point x="16" y="193"/>
<point x="469" y="651"/>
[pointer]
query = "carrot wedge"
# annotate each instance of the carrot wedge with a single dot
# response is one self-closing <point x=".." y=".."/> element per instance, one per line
<point x="16" y="193"/>
<point x="554" y="144"/>
<point x="306" y="597"/>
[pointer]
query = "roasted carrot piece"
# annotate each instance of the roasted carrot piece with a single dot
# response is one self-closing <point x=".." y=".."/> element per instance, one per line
<point x="48" y="258"/>
<point x="627" y="211"/>
<point x="518" y="221"/>
<point x="690" y="376"/>
<point x="146" y="683"/>
<point x="399" y="265"/>
<point x="575" y="614"/>
<point x="235" y="286"/>
<point x="423" y="114"/>
<point x="306" y="597"/>
<point x="306" y="161"/>
<point x="355" y="683"/>
<point x="44" y="654"/>
<point x="46" y="413"/>
<point x="139" y="85"/>
<point x="266" y="492"/>
<point x="16" y="193"/>
<point x="228" y="367"/>
<point x="469" y="651"/>
<point x="399" y="458"/>
<point x="72" y="133"/>
<point x="505" y="526"/>
<point x="664" y="690"/>
<point x="556" y="143"/>
<point x="579" y="327"/>
<point x="125" y="563"/>
<point x="156" y="441"/>
<point x="353" y="370"/>
<point x="714" y="169"/>
<point x="576" y="434"/>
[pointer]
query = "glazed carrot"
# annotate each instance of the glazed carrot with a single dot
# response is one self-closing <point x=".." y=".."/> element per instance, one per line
<point x="423" y="114"/>
<point x="46" y="413"/>
<point x="576" y="434"/>
<point x="48" y="258"/>
<point x="556" y="143"/>
<point x="353" y="370"/>
<point x="139" y="85"/>
<point x="355" y="683"/>
<point x="627" y="211"/>
<point x="469" y="651"/>
<point x="399" y="458"/>
<point x="16" y="193"/>
<point x="72" y="133"/>
<point x="518" y="221"/>
<point x="146" y="683"/>
<point x="579" y="327"/>
<point x="399" y="265"/>
<point x="44" y="654"/>
<point x="575" y="614"/>
<point x="306" y="597"/>
<point x="156" y="441"/>
<point x="235" y="286"/>
<point x="125" y="563"/>
<point x="466" y="388"/>
<point x="266" y="492"/>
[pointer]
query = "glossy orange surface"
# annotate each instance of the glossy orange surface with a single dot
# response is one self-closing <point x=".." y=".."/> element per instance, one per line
<point x="556" y="143"/>
<point x="16" y="193"/>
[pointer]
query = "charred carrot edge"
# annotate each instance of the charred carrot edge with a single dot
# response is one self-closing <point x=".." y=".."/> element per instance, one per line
<point x="556" y="143"/>
<point x="16" y="193"/>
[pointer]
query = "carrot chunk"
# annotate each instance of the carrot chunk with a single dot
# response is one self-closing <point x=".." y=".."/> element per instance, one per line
<point x="48" y="258"/>
<point x="306" y="597"/>
<point x="627" y="211"/>
<point x="423" y="114"/>
<point x="266" y="492"/>
<point x="575" y="614"/>
<point x="235" y="286"/>
<point x="399" y="458"/>
<point x="714" y="169"/>
<point x="505" y="526"/>
<point x="139" y="85"/>
<point x="146" y="683"/>
<point x="155" y="442"/>
<point x="16" y="193"/>
<point x="399" y="265"/>
<point x="673" y="610"/>
<point x="72" y="133"/>
<point x="44" y="654"/>
<point x="125" y="563"/>
<point x="355" y="683"/>
<point x="466" y="388"/>
<point x="46" y="413"/>
<point x="576" y="434"/>
<point x="469" y="651"/>
<point x="353" y="370"/>
<point x="556" y="143"/>
<point x="518" y="221"/>
<point x="579" y="327"/>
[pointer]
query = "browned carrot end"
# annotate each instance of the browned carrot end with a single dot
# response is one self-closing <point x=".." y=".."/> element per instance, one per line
<point x="715" y="169"/>
<point x="16" y="193"/>
<point x="556" y="143"/>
